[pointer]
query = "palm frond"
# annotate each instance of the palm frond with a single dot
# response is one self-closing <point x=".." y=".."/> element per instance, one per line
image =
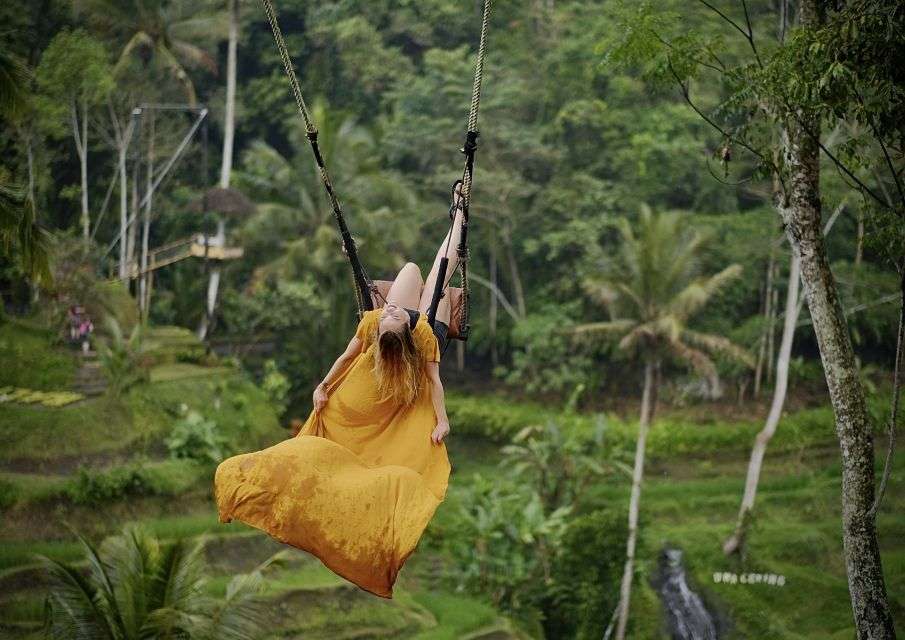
<point x="243" y="612"/>
<point x="136" y="41"/>
<point x="14" y="81"/>
<point x="20" y="232"/>
<point x="195" y="56"/>
<point x="604" y="328"/>
<point x="698" y="293"/>
<point x="73" y="608"/>
<point x="133" y="558"/>
<point x="171" y="62"/>
<point x="659" y="329"/>
<point x="600" y="291"/>
<point x="181" y="575"/>
<point x="699" y="361"/>
<point x="719" y="345"/>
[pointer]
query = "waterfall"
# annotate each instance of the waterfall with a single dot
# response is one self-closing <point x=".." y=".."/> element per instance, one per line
<point x="687" y="617"/>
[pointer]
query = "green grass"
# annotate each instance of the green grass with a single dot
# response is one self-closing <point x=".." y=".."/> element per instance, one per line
<point x="141" y="417"/>
<point x="96" y="425"/>
<point x="670" y="437"/>
<point x="456" y="615"/>
<point x="796" y="533"/>
<point x="30" y="359"/>
<point x="690" y="499"/>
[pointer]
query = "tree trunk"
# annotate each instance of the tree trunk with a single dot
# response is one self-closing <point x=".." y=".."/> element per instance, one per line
<point x="648" y="402"/>
<point x="132" y="230"/>
<point x="494" y="304"/>
<point x="226" y="165"/>
<point x="212" y="285"/>
<point x="870" y="604"/>
<point x="771" y="326"/>
<point x="123" y="208"/>
<point x="517" y="288"/>
<point x="229" y="119"/>
<point x="143" y="291"/>
<point x="762" y="349"/>
<point x="80" y="135"/>
<point x="736" y="543"/>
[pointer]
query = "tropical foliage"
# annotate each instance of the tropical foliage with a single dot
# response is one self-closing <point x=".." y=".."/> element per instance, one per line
<point x="137" y="587"/>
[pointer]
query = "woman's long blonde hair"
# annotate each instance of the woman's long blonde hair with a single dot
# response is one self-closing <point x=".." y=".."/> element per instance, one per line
<point x="397" y="366"/>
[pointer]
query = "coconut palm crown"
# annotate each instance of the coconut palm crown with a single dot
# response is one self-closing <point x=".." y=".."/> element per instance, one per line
<point x="653" y="288"/>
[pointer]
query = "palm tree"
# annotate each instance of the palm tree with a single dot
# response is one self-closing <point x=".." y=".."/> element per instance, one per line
<point x="229" y="116"/>
<point x="652" y="290"/>
<point x="172" y="35"/>
<point x="18" y="219"/>
<point x="165" y="36"/>
<point x="136" y="587"/>
<point x="293" y="235"/>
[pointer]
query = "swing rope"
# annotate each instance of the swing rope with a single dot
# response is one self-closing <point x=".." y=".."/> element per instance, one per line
<point x="364" y="287"/>
<point x="362" y="284"/>
<point x="469" y="149"/>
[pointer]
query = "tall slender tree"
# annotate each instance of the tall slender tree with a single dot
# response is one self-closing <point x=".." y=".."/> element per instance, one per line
<point x="835" y="56"/>
<point x="226" y="165"/>
<point x="74" y="76"/>
<point x="652" y="291"/>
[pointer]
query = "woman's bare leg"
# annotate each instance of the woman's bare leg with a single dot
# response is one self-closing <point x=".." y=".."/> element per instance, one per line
<point x="406" y="289"/>
<point x="449" y="249"/>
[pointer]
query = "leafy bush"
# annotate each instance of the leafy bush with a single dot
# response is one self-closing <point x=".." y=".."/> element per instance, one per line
<point x="276" y="386"/>
<point x="122" y="358"/>
<point x="134" y="479"/>
<point x="544" y="357"/>
<point x="507" y="533"/>
<point x="502" y="542"/>
<point x="99" y="486"/>
<point x="197" y="438"/>
<point x="560" y="463"/>
<point x="491" y="417"/>
<point x="586" y="576"/>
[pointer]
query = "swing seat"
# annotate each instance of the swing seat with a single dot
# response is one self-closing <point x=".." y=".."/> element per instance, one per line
<point x="456" y="301"/>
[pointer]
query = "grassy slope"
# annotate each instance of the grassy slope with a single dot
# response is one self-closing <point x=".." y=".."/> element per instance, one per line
<point x="30" y="361"/>
<point x="112" y="430"/>
<point x="141" y="417"/>
<point x="690" y="499"/>
<point x="691" y="495"/>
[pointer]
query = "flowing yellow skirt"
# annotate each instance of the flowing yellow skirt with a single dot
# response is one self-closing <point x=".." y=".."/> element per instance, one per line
<point x="356" y="487"/>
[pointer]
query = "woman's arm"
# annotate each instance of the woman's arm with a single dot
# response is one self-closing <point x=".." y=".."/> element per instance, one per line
<point x="320" y="391"/>
<point x="439" y="402"/>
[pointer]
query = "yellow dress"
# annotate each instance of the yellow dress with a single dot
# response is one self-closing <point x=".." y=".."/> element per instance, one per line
<point x="359" y="483"/>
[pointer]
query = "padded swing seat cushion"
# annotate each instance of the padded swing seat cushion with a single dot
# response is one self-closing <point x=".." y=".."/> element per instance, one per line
<point x="455" y="305"/>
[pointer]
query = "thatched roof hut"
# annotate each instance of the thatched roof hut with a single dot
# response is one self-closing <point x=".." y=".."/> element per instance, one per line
<point x="226" y="202"/>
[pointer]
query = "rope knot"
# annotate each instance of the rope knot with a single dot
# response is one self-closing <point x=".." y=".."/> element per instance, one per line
<point x="471" y="143"/>
<point x="312" y="134"/>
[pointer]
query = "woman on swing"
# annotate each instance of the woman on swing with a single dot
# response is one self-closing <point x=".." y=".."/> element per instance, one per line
<point x="366" y="472"/>
<point x="403" y="338"/>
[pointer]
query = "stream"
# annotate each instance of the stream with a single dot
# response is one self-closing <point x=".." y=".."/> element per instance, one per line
<point x="686" y="616"/>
